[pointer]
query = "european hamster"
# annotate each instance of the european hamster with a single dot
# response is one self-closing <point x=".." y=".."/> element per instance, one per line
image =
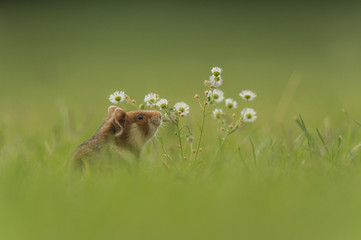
<point x="127" y="130"/>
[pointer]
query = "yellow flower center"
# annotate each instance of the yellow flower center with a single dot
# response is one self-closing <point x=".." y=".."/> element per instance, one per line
<point x="181" y="109"/>
<point x="215" y="73"/>
<point x="249" y="115"/>
<point x="118" y="98"/>
<point x="247" y="96"/>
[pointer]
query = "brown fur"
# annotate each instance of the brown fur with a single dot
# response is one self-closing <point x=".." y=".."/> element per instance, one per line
<point x="123" y="129"/>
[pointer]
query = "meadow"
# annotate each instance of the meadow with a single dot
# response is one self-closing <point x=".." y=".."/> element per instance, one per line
<point x="295" y="173"/>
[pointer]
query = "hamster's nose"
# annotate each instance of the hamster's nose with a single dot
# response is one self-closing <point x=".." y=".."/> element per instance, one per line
<point x="156" y="119"/>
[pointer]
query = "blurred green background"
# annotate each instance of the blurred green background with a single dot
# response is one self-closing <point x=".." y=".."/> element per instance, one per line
<point x="80" y="53"/>
<point x="60" y="61"/>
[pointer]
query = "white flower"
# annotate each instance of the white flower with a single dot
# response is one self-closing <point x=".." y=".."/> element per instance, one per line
<point x="117" y="97"/>
<point x="182" y="108"/>
<point x="151" y="99"/>
<point x="248" y="115"/>
<point x="163" y="103"/>
<point x="248" y="95"/>
<point x="217" y="113"/>
<point x="216" y="80"/>
<point x="216" y="71"/>
<point x="218" y="95"/>
<point x="230" y="103"/>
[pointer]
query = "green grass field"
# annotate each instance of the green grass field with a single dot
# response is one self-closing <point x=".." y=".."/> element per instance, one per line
<point x="275" y="179"/>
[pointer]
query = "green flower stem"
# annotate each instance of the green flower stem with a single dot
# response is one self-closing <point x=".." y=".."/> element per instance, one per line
<point x="204" y="112"/>
<point x="176" y="123"/>
<point x="179" y="137"/>
<point x="228" y="132"/>
<point x="224" y="139"/>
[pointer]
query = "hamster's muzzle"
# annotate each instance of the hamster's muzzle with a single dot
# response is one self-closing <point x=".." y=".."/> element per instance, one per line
<point x="156" y="120"/>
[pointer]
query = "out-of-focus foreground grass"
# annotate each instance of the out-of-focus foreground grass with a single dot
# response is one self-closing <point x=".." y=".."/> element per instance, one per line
<point x="59" y="63"/>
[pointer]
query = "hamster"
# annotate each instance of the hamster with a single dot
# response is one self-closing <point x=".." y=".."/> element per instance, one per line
<point x="127" y="130"/>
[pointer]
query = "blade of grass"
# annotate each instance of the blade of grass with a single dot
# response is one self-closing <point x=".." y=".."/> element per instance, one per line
<point x="324" y="144"/>
<point x="352" y="118"/>
<point x="303" y="127"/>
<point x="350" y="154"/>
<point x="253" y="152"/>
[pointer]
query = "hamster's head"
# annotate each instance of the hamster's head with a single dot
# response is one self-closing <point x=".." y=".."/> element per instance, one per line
<point x="147" y="122"/>
<point x="133" y="127"/>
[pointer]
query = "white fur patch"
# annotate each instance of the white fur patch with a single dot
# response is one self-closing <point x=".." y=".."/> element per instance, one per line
<point x="136" y="137"/>
<point x="152" y="130"/>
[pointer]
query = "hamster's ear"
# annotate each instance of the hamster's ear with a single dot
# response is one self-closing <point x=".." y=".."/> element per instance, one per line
<point x="111" y="111"/>
<point x="118" y="120"/>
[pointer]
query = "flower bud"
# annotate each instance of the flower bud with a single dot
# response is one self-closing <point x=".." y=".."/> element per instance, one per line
<point x="196" y="96"/>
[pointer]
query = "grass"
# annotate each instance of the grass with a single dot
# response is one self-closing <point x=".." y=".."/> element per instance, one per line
<point x="300" y="185"/>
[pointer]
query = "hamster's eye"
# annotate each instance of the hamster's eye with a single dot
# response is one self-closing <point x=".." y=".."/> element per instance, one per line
<point x="140" y="117"/>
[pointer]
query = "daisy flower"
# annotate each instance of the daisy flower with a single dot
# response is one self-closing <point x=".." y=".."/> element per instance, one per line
<point x="216" y="71"/>
<point x="230" y="103"/>
<point x="216" y="80"/>
<point x="182" y="108"/>
<point x="163" y="103"/>
<point x="217" y="113"/>
<point x="151" y="99"/>
<point x="117" y="97"/>
<point x="218" y="95"/>
<point x="248" y="95"/>
<point x="248" y="115"/>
